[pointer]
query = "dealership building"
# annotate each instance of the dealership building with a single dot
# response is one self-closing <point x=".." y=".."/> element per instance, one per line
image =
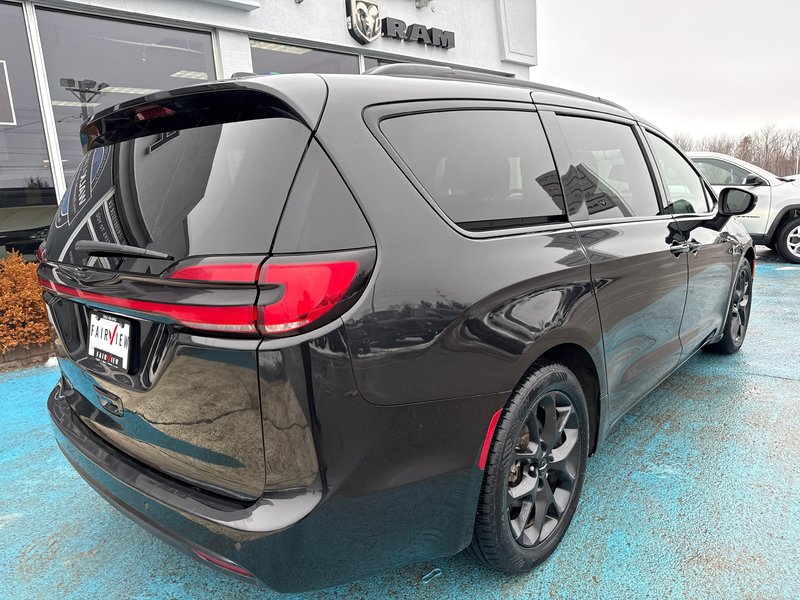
<point x="62" y="61"/>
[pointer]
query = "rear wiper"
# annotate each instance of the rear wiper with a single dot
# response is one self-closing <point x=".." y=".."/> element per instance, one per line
<point x="110" y="249"/>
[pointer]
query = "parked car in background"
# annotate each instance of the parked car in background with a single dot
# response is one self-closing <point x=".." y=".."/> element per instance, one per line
<point x="775" y="221"/>
<point x="315" y="327"/>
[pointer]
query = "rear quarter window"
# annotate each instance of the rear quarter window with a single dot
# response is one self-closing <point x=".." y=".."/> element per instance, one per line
<point x="486" y="169"/>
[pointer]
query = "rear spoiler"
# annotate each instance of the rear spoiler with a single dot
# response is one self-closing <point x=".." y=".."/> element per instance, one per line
<point x="301" y="97"/>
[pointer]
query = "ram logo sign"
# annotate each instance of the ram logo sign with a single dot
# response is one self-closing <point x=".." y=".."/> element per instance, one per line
<point x="366" y="25"/>
<point x="364" y="20"/>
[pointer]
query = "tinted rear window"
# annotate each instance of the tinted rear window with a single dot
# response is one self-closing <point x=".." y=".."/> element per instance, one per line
<point x="218" y="189"/>
<point x="611" y="168"/>
<point x="486" y="169"/>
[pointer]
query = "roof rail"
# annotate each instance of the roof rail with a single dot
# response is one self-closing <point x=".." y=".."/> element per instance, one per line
<point x="443" y="72"/>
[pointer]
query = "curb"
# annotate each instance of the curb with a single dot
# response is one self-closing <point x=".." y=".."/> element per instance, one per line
<point x="19" y="357"/>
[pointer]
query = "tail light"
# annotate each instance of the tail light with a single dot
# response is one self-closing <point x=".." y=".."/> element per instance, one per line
<point x="310" y="291"/>
<point x="292" y="292"/>
<point x="207" y="270"/>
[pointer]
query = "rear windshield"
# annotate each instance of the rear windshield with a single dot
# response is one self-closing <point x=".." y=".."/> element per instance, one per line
<point x="218" y="189"/>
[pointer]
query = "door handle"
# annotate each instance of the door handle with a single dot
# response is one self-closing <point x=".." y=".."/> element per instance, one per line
<point x="678" y="248"/>
<point x="694" y="247"/>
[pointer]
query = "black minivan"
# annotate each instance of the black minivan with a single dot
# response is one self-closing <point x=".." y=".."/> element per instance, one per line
<point x="312" y="327"/>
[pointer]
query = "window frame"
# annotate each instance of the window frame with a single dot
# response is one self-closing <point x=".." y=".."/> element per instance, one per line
<point x="711" y="196"/>
<point x="375" y="114"/>
<point x="582" y="219"/>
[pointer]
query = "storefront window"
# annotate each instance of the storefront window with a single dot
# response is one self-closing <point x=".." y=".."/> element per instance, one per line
<point x="27" y="197"/>
<point x="94" y="63"/>
<point x="273" y="58"/>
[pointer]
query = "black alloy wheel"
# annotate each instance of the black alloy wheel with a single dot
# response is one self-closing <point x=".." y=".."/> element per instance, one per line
<point x="738" y="319"/>
<point x="542" y="477"/>
<point x="534" y="471"/>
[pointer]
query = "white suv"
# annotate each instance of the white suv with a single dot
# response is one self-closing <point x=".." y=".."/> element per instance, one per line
<point x="775" y="221"/>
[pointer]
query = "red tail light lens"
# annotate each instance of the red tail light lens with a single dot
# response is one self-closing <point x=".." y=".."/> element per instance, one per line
<point x="232" y="272"/>
<point x="310" y="291"/>
<point x="305" y="293"/>
<point x="40" y="252"/>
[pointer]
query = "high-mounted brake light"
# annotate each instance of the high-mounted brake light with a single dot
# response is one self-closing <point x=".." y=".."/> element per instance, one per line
<point x="153" y="112"/>
<point x="310" y="291"/>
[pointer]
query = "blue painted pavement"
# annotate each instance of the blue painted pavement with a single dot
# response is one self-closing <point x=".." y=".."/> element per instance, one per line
<point x="695" y="494"/>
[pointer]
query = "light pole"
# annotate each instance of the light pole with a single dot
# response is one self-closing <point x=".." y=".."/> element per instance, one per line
<point x="84" y="91"/>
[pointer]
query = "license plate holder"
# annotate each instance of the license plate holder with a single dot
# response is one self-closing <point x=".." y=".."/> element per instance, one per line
<point x="110" y="340"/>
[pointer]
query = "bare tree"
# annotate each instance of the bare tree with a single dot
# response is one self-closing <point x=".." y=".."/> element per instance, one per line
<point x="770" y="147"/>
<point x="723" y="143"/>
<point x="792" y="152"/>
<point x="744" y="149"/>
<point x="684" y="141"/>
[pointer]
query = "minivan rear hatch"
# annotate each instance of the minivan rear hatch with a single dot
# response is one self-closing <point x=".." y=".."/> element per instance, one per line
<point x="150" y="273"/>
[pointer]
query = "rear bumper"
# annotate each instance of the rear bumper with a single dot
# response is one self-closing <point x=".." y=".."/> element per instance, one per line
<point x="184" y="516"/>
<point x="267" y="515"/>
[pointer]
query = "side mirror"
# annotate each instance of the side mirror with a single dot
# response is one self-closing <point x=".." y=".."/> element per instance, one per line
<point x="733" y="202"/>
<point x="754" y="180"/>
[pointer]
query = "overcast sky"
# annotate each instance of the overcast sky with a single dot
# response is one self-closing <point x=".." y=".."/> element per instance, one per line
<point x="689" y="66"/>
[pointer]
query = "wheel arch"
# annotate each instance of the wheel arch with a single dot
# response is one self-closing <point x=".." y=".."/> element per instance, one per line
<point x="787" y="214"/>
<point x="578" y="360"/>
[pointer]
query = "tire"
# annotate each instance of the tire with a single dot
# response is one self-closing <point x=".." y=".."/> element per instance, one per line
<point x="787" y="241"/>
<point x="738" y="319"/>
<point x="505" y="539"/>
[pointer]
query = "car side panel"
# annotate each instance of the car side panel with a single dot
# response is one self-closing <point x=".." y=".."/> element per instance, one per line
<point x="445" y="315"/>
<point x="641" y="292"/>
<point x="711" y="268"/>
<point x="640" y="284"/>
